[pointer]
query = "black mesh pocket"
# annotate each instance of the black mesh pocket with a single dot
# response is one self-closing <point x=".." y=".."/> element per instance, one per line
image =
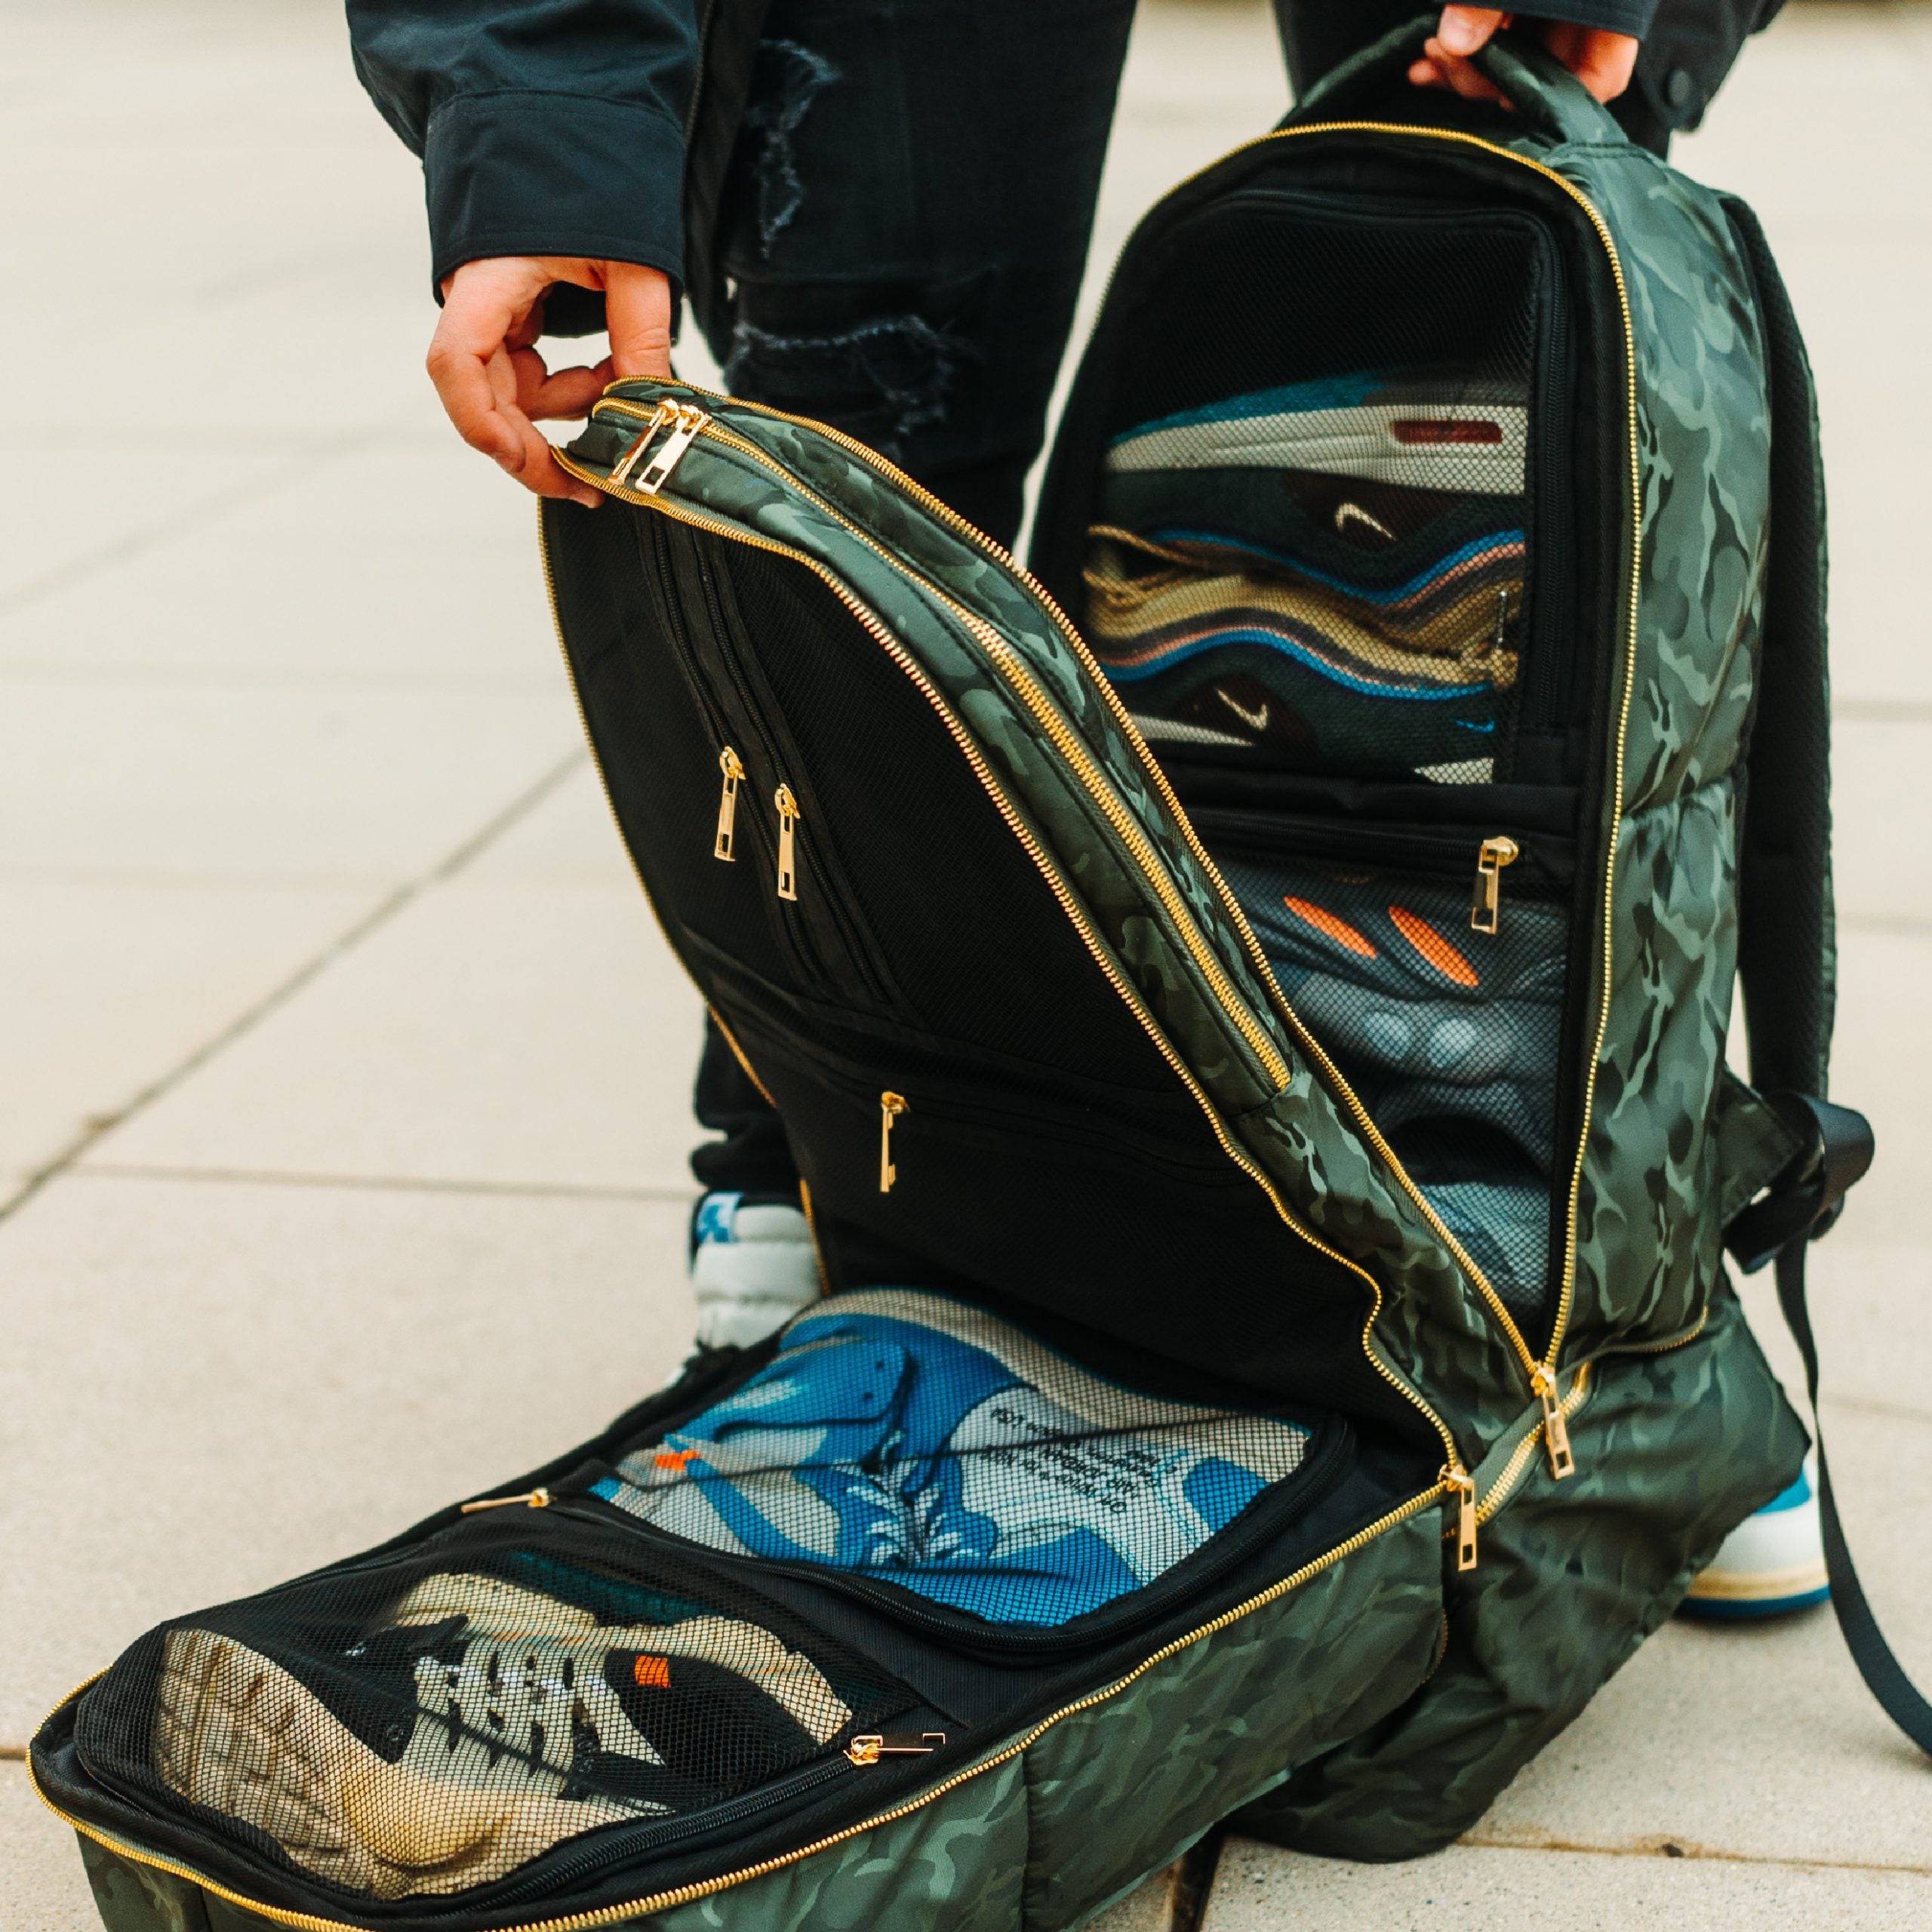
<point x="430" y="1725"/>
<point x="908" y="1438"/>
<point x="1311" y="543"/>
<point x="1449" y="1034"/>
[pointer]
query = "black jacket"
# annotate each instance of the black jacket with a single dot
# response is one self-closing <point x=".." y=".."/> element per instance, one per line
<point x="559" y="127"/>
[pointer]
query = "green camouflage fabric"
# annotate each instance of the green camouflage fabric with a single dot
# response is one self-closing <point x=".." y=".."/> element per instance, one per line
<point x="1648" y="1246"/>
<point x="1010" y="1847"/>
<point x="915" y="574"/>
<point x="1672" y="1450"/>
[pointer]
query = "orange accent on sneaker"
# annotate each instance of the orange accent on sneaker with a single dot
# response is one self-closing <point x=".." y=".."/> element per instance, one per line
<point x="1446" y="429"/>
<point x="1436" y="951"/>
<point x="675" y="1459"/>
<point x="652" y="1673"/>
<point x="1325" y="922"/>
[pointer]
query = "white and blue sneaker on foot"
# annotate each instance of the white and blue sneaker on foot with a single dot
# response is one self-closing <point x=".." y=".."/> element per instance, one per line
<point x="752" y="1265"/>
<point x="1773" y="1562"/>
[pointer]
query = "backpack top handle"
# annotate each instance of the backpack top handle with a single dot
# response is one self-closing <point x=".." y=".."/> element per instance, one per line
<point x="1549" y="99"/>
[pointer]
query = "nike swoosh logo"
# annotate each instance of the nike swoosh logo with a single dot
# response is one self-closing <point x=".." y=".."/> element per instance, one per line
<point x="1255" y="720"/>
<point x="1344" y="512"/>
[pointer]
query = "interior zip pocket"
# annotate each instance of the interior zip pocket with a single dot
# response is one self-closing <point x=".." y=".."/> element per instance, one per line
<point x="1441" y="992"/>
<point x="923" y="1453"/>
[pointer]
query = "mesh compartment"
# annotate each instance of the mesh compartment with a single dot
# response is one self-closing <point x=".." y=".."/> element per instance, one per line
<point x="913" y="1439"/>
<point x="430" y="1725"/>
<point x="1450" y="1037"/>
<point x="1313" y="538"/>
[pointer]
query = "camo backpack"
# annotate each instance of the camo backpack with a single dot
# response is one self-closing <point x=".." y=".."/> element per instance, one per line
<point x="1255" y="1050"/>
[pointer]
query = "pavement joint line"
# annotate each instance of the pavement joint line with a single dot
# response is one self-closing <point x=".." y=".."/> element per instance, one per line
<point x="646" y="1191"/>
<point x="1665" y="1847"/>
<point x="213" y="506"/>
<point x="131" y="674"/>
<point x="310" y="969"/>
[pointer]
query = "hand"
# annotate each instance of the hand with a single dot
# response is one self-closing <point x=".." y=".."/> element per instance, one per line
<point x="493" y="382"/>
<point x="1603" y="62"/>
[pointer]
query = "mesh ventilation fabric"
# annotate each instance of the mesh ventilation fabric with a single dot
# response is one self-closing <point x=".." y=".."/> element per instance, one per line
<point x="916" y="1440"/>
<point x="429" y="1726"/>
<point x="1314" y="547"/>
<point x="1450" y="1037"/>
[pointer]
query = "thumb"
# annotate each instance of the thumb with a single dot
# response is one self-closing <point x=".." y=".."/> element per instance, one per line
<point x="1466" y="29"/>
<point x="637" y="312"/>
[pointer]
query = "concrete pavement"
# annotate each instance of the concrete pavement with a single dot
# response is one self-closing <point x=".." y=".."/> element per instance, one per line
<point x="345" y="1075"/>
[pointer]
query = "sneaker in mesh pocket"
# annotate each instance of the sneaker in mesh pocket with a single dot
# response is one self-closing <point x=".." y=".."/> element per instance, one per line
<point x="925" y="1442"/>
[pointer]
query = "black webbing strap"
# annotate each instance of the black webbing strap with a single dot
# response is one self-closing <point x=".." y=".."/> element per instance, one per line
<point x="1884" y="1676"/>
<point x="1786" y="959"/>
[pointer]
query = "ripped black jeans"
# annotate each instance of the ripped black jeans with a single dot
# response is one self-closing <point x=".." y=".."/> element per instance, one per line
<point x="905" y="220"/>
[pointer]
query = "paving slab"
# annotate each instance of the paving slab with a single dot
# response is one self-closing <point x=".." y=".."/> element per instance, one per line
<point x="310" y="786"/>
<point x="516" y="1035"/>
<point x="570" y="839"/>
<point x="1761" y="1741"/>
<point x="377" y="566"/>
<point x="64" y="521"/>
<point x="209" y="1387"/>
<point x="44" y="1888"/>
<point x="1477" y="1888"/>
<point x="106" y="989"/>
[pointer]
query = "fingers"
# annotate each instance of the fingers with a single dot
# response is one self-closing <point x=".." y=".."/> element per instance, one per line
<point x="1463" y="29"/>
<point x="1439" y="68"/>
<point x="487" y="305"/>
<point x="1603" y="62"/>
<point x="566" y="395"/>
<point x="637" y="313"/>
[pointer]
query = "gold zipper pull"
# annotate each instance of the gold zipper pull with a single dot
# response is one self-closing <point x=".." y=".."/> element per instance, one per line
<point x="535" y="1499"/>
<point x="670" y="452"/>
<point x="620" y="471"/>
<point x="1494" y="854"/>
<point x="1458" y="1478"/>
<point x="890" y="1106"/>
<point x="734" y="769"/>
<point x="870" y="1749"/>
<point x="1556" y="1428"/>
<point x="788" y="841"/>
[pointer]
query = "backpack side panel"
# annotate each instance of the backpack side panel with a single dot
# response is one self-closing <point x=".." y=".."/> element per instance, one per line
<point x="1648" y="1235"/>
<point x="1673" y="1449"/>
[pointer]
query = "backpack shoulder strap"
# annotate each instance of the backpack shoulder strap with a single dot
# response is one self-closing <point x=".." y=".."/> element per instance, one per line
<point x="1787" y="955"/>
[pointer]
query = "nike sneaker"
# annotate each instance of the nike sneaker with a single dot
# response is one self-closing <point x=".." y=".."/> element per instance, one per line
<point x="925" y="1443"/>
<point x="753" y="1266"/>
<point x="476" y="1725"/>
<point x="1772" y="1563"/>
<point x="1450" y="1037"/>
<point x="1331" y="572"/>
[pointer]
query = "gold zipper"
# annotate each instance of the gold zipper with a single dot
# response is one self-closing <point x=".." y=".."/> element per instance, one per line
<point x="788" y="841"/>
<point x="1463" y="1486"/>
<point x="733" y="767"/>
<point x="1097" y="948"/>
<point x="984" y="631"/>
<point x="1485" y="910"/>
<point x="1126" y="827"/>
<point x="890" y="1106"/>
<point x="954" y="521"/>
<point x="584" y="1922"/>
<point x="873" y="1747"/>
<point x="534" y="1499"/>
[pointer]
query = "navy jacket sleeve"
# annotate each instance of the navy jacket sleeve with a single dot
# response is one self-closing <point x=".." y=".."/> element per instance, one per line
<point x="545" y="126"/>
<point x="1630" y="16"/>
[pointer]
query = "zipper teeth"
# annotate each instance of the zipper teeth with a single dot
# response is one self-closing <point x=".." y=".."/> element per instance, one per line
<point x="1525" y="1452"/>
<point x="1309" y="1044"/>
<point x="1511" y="1474"/>
<point x="583" y="1922"/>
<point x="1076" y="754"/>
<point x="1103" y="958"/>
<point x="955" y="521"/>
<point x="1066" y="743"/>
